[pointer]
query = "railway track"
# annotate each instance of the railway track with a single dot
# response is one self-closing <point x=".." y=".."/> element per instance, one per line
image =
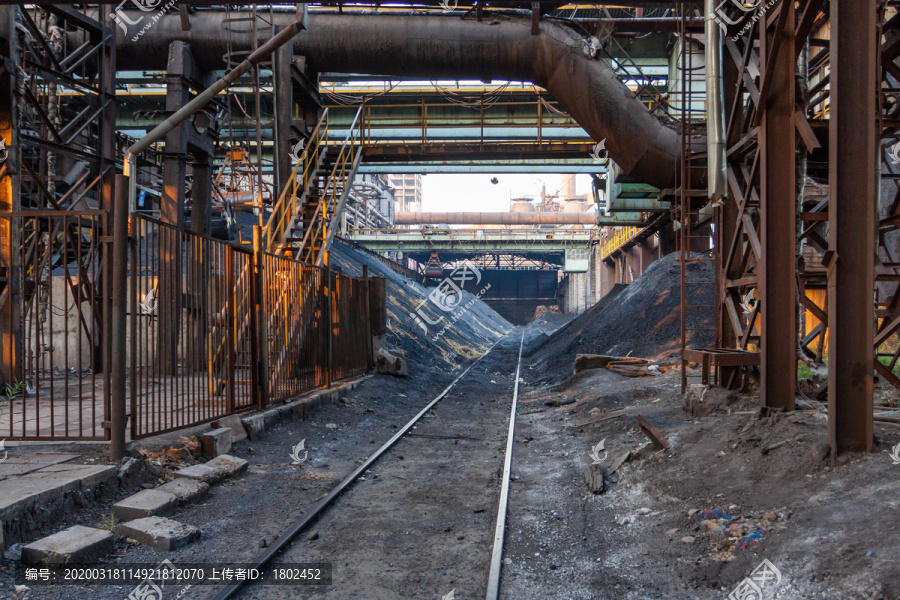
<point x="285" y="540"/>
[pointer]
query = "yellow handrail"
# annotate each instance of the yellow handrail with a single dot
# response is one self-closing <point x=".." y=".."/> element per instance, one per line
<point x="285" y="207"/>
<point x="622" y="235"/>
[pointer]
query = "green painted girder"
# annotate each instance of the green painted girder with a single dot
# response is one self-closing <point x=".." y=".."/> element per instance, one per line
<point x="507" y="241"/>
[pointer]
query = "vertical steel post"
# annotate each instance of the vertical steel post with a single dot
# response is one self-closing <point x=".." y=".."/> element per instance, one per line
<point x="329" y="312"/>
<point x="118" y="362"/>
<point x="262" y="331"/>
<point x="851" y="220"/>
<point x="777" y="282"/>
<point x="10" y="201"/>
<point x="231" y="300"/>
<point x="369" y="349"/>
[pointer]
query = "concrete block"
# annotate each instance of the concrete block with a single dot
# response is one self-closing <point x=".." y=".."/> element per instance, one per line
<point x="390" y="364"/>
<point x="255" y="425"/>
<point x="145" y="503"/>
<point x="232" y="422"/>
<point x="186" y="491"/>
<point x="76" y="544"/>
<point x="159" y="532"/>
<point x="219" y="468"/>
<point x="216" y="442"/>
<point x="229" y="465"/>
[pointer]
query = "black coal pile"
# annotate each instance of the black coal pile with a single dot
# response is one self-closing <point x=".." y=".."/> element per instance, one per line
<point x="432" y="338"/>
<point x="642" y="319"/>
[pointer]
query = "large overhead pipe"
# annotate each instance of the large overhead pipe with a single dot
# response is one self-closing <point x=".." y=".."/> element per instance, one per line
<point x="495" y="218"/>
<point x="715" y="108"/>
<point x="436" y="47"/>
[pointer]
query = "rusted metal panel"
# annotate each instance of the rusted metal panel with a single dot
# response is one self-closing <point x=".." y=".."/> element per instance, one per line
<point x="378" y="304"/>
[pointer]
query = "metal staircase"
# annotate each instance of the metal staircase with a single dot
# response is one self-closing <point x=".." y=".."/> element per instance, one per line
<point x="304" y="219"/>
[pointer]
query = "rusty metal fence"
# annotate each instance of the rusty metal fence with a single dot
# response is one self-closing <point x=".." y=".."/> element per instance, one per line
<point x="296" y="315"/>
<point x="192" y="328"/>
<point x="51" y="326"/>
<point x="351" y="345"/>
<point x="218" y="328"/>
<point x="213" y="328"/>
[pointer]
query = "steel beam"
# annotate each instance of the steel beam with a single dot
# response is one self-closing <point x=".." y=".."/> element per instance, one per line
<point x="496" y="218"/>
<point x="777" y="283"/>
<point x="851" y="213"/>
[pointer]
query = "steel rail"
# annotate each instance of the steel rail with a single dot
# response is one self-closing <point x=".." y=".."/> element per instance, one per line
<point x="294" y="530"/>
<point x="493" y="586"/>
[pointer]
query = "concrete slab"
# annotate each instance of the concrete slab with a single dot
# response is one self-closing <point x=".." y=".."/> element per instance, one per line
<point x="232" y="422"/>
<point x="20" y="465"/>
<point x="146" y="503"/>
<point x="230" y="465"/>
<point x="185" y="490"/>
<point x="216" y="442"/>
<point x="76" y="544"/>
<point x="219" y="468"/>
<point x="51" y="482"/>
<point x="159" y="532"/>
<point x="198" y="473"/>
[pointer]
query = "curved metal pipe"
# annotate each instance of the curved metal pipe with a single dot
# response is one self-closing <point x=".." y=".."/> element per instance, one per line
<point x="453" y="48"/>
<point x="496" y="218"/>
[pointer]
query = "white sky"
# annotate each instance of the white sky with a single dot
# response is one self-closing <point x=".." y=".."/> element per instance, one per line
<point x="476" y="193"/>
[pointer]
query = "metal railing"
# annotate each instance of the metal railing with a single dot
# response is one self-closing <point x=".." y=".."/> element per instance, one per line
<point x="289" y="201"/>
<point x="333" y="196"/>
<point x="192" y="328"/>
<point x="218" y="328"/>
<point x="622" y="235"/>
<point x="295" y="317"/>
<point x="51" y="326"/>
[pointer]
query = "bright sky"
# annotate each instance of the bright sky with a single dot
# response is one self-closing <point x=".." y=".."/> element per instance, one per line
<point x="476" y="193"/>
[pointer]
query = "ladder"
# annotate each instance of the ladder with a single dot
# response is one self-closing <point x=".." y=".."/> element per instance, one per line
<point x="697" y="286"/>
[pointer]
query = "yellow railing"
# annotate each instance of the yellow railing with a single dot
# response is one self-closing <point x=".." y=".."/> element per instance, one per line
<point x="622" y="235"/>
<point x="275" y="230"/>
<point x="332" y="194"/>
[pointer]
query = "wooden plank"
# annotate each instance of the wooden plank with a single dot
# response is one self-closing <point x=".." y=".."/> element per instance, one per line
<point x="613" y="415"/>
<point x="659" y="441"/>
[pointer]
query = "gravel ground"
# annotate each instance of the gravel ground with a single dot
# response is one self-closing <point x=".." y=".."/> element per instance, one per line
<point x="420" y="524"/>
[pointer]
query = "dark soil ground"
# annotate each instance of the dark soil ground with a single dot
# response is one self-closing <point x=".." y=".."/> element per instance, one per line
<point x="690" y="522"/>
<point x="641" y="319"/>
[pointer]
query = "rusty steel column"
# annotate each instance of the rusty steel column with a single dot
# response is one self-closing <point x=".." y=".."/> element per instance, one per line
<point x="853" y="142"/>
<point x="10" y="236"/>
<point x="284" y="111"/>
<point x="119" y="319"/>
<point x="777" y="279"/>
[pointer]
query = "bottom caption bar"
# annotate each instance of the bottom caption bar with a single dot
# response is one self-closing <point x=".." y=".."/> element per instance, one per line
<point x="169" y="574"/>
